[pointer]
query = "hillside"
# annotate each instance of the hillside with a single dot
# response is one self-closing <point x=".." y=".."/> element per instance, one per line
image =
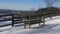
<point x="51" y="27"/>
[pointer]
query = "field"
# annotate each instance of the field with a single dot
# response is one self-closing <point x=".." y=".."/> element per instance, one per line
<point x="52" y="27"/>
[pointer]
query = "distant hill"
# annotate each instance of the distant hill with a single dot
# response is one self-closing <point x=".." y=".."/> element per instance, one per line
<point x="47" y="10"/>
<point x="6" y="11"/>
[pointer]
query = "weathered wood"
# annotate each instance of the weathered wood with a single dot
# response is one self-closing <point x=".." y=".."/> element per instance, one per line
<point x="7" y="19"/>
<point x="12" y="20"/>
<point x="29" y="21"/>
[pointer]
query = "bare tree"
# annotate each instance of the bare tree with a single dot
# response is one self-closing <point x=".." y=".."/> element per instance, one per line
<point x="50" y="2"/>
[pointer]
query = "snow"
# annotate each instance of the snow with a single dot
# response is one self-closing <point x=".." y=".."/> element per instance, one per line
<point x="52" y="27"/>
<point x="5" y="22"/>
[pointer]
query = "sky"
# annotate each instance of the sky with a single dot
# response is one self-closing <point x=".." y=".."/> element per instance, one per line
<point x="24" y="4"/>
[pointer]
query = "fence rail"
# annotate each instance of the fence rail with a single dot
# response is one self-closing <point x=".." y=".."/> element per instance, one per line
<point x="27" y="17"/>
<point x="13" y="19"/>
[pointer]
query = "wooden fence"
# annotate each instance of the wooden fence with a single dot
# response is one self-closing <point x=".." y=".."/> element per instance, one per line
<point x="28" y="20"/>
<point x="9" y="17"/>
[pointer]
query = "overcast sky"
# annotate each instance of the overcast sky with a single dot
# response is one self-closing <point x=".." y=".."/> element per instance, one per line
<point x="24" y="4"/>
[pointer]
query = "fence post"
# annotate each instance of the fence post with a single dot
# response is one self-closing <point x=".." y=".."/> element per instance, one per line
<point x="29" y="22"/>
<point x="24" y="23"/>
<point x="39" y="20"/>
<point x="43" y="21"/>
<point x="12" y="20"/>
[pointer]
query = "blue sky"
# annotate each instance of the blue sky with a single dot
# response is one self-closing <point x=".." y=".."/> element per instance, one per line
<point x="22" y="4"/>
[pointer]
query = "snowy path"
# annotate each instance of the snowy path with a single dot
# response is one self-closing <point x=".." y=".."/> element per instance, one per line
<point x="51" y="27"/>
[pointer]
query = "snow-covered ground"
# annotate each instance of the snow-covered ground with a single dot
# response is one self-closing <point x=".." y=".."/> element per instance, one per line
<point x="52" y="27"/>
